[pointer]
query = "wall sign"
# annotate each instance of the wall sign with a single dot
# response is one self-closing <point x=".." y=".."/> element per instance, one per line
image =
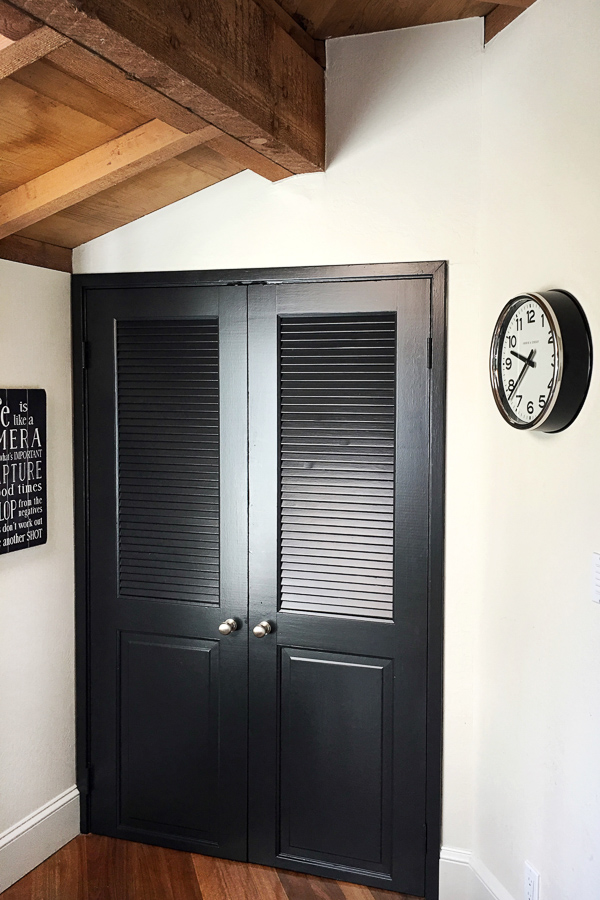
<point x="22" y="468"/>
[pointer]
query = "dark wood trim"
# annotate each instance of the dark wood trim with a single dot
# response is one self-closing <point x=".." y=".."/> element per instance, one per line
<point x="290" y="275"/>
<point x="36" y="253"/>
<point x="80" y="511"/>
<point x="435" y="653"/>
<point x="436" y="271"/>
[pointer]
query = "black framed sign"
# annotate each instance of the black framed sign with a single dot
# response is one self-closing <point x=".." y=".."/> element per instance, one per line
<point x="22" y="468"/>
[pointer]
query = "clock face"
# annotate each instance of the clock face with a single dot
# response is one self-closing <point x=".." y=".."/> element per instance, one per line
<point x="527" y="362"/>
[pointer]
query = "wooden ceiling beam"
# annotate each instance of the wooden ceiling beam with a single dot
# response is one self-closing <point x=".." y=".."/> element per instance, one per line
<point x="36" y="253"/>
<point x="114" y="82"/>
<point x="29" y="49"/>
<point x="229" y="61"/>
<point x="107" y="78"/>
<point x="503" y="15"/>
<point x="313" y="47"/>
<point x="107" y="165"/>
<point x="14" y="23"/>
<point x="247" y="158"/>
<point x="520" y="4"/>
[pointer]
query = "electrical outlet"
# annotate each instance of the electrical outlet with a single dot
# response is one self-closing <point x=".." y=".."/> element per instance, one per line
<point x="532" y="883"/>
<point x="596" y="578"/>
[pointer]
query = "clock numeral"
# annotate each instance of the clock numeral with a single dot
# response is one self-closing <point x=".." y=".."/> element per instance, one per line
<point x="519" y="398"/>
<point x="530" y="408"/>
<point x="542" y="401"/>
<point x="551" y="339"/>
<point x="508" y="362"/>
<point x="519" y="323"/>
<point x="512" y="341"/>
<point x="530" y="316"/>
<point x="511" y="384"/>
<point x="543" y="320"/>
<point x="550" y="385"/>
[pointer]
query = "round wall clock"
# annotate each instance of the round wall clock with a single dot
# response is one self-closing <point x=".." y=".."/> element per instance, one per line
<point x="541" y="360"/>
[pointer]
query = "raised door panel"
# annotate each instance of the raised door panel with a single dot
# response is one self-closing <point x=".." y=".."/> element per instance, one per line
<point x="336" y="755"/>
<point x="168" y="752"/>
<point x="339" y="529"/>
<point x="168" y="564"/>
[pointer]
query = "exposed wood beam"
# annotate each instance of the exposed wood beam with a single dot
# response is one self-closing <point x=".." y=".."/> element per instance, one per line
<point x="15" y="24"/>
<point x="114" y="82"/>
<point x="313" y="47"/>
<point x="503" y="15"/>
<point x="248" y="158"/>
<point x="520" y="4"/>
<point x="29" y="49"/>
<point x="227" y="60"/>
<point x="104" y="167"/>
<point x="36" y="253"/>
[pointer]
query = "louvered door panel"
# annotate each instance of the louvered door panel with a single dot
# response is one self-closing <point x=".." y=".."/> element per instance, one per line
<point x="168" y="459"/>
<point x="168" y="562"/>
<point x="337" y="450"/>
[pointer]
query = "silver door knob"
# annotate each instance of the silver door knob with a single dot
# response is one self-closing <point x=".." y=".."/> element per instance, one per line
<point x="228" y="626"/>
<point x="261" y="629"/>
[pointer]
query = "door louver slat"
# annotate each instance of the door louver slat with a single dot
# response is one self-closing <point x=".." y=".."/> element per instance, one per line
<point x="168" y="418"/>
<point x="337" y="450"/>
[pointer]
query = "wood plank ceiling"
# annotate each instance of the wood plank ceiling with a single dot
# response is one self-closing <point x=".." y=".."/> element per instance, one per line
<point x="111" y="109"/>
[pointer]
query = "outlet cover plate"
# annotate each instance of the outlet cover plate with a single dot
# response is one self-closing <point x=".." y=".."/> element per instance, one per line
<point x="532" y="883"/>
<point x="596" y="577"/>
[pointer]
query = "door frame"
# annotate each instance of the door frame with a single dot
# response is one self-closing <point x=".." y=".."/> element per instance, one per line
<point x="436" y="272"/>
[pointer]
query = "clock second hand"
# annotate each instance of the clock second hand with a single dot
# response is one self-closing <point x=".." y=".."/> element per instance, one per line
<point x="528" y="363"/>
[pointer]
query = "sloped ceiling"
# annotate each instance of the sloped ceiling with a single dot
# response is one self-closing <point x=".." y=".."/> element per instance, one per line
<point x="111" y="109"/>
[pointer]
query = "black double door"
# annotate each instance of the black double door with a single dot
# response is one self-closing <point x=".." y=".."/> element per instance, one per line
<point x="260" y="453"/>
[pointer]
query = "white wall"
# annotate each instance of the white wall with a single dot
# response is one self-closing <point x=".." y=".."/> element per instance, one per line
<point x="439" y="149"/>
<point x="538" y="686"/>
<point x="38" y="807"/>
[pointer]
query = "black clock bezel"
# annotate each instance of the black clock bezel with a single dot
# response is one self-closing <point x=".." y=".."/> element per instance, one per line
<point x="573" y="343"/>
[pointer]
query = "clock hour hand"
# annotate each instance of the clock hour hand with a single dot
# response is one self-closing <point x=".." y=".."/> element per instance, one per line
<point x="528" y="362"/>
<point x="525" y="359"/>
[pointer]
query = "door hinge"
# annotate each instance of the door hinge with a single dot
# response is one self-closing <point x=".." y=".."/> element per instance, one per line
<point x="429" y="353"/>
<point x="85" y="354"/>
<point x="86" y="781"/>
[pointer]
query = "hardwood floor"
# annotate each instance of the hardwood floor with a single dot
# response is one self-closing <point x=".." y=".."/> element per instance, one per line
<point x="101" y="868"/>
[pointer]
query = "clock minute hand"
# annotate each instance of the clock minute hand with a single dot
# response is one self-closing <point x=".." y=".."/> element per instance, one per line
<point x="528" y="362"/>
<point x="524" y="359"/>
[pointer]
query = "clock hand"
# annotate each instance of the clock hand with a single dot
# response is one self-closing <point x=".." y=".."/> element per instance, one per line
<point x="528" y="362"/>
<point x="523" y="358"/>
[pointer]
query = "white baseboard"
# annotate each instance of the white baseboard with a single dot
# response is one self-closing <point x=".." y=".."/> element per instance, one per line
<point x="464" y="877"/>
<point x="38" y="836"/>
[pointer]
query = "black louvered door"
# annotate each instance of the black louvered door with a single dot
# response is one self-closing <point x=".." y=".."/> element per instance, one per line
<point x="167" y="450"/>
<point x="339" y="481"/>
<point x="261" y="452"/>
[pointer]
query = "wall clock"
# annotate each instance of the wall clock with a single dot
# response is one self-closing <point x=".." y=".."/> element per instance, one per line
<point x="541" y="360"/>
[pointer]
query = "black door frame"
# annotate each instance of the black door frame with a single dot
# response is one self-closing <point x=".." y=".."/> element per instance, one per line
<point x="436" y="272"/>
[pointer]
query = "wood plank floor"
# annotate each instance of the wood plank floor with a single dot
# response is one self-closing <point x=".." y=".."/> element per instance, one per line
<point x="101" y="868"/>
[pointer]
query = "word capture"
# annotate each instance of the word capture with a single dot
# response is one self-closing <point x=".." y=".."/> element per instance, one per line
<point x="22" y="468"/>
